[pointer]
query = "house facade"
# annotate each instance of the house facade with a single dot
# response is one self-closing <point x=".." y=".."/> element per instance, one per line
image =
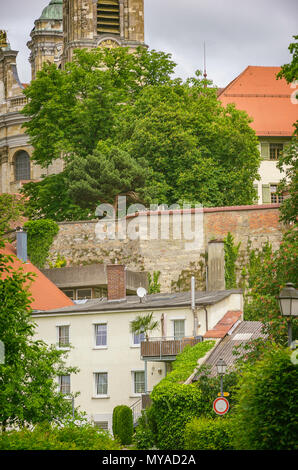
<point x="116" y="366"/>
<point x="271" y="105"/>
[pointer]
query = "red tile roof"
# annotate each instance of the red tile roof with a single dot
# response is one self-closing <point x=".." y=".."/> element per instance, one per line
<point x="46" y="295"/>
<point x="224" y="325"/>
<point x="265" y="99"/>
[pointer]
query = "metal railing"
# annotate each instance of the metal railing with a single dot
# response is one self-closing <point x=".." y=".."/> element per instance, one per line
<point x="140" y="405"/>
<point x="136" y="409"/>
<point x="167" y="346"/>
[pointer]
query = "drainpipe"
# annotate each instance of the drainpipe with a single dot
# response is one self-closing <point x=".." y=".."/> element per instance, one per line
<point x="206" y="317"/>
<point x="193" y="306"/>
<point x="146" y="378"/>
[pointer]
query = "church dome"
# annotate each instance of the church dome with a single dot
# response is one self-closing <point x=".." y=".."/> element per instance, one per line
<point x="54" y="11"/>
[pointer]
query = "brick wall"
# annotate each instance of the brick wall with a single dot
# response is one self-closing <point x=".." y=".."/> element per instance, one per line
<point x="176" y="259"/>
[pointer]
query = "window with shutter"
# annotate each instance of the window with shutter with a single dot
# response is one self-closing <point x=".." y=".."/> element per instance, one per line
<point x="108" y="17"/>
<point x="265" y="152"/>
<point x="266" y="196"/>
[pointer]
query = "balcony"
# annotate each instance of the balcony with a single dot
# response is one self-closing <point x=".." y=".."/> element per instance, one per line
<point x="167" y="348"/>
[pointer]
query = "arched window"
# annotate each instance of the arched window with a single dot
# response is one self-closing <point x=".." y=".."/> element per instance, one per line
<point x="22" y="166"/>
<point x="108" y="17"/>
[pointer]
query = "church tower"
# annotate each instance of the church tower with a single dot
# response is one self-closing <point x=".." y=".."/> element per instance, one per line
<point x="109" y="23"/>
<point x="46" y="43"/>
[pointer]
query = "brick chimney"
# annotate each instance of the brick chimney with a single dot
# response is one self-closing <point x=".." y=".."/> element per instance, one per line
<point x="116" y="276"/>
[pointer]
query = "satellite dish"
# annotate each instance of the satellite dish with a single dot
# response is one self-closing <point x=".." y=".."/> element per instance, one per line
<point x="141" y="292"/>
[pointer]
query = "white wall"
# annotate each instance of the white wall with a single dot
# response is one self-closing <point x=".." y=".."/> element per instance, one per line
<point x="120" y="357"/>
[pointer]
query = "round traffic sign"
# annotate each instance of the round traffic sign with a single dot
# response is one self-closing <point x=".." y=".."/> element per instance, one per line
<point x="221" y="405"/>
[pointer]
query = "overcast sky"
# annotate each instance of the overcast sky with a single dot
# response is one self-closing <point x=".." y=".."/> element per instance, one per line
<point x="237" y="33"/>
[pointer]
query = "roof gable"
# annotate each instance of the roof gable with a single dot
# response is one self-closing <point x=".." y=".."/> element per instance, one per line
<point x="45" y="294"/>
<point x="265" y="99"/>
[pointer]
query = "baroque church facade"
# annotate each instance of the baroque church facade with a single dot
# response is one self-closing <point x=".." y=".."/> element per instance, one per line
<point x="64" y="25"/>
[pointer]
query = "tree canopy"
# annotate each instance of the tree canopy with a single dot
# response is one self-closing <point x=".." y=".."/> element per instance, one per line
<point x="28" y="376"/>
<point x="122" y="124"/>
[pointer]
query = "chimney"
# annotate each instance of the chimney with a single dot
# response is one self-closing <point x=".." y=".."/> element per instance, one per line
<point x="22" y="244"/>
<point x="116" y="275"/>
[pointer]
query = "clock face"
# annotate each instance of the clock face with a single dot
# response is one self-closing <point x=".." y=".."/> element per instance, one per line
<point x="109" y="43"/>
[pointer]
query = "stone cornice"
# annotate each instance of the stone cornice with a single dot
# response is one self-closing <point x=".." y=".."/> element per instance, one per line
<point x="11" y="119"/>
<point x="15" y="141"/>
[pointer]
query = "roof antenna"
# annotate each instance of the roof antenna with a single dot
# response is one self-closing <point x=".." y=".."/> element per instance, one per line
<point x="205" y="68"/>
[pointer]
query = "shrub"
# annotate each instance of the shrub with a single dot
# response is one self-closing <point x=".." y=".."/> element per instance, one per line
<point x="48" y="437"/>
<point x="41" y="234"/>
<point x="144" y="437"/>
<point x="115" y="419"/>
<point x="208" y="434"/>
<point x="266" y="411"/>
<point x="124" y="425"/>
<point x="175" y="404"/>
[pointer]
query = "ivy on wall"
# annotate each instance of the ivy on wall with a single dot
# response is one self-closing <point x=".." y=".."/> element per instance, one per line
<point x="153" y="283"/>
<point x="173" y="403"/>
<point x="41" y="234"/>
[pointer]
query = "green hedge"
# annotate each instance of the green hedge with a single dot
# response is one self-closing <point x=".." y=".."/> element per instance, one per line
<point x="175" y="404"/>
<point x="208" y="434"/>
<point x="115" y="419"/>
<point x="69" y="437"/>
<point x="41" y="234"/>
<point x="123" y="424"/>
<point x="266" y="411"/>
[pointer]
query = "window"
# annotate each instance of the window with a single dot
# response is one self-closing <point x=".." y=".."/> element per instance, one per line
<point x="138" y="382"/>
<point x="138" y="338"/>
<point x="63" y="336"/>
<point x="101" y="383"/>
<point x="108" y="17"/>
<point x="22" y="166"/>
<point x="179" y="329"/>
<point x="84" y="294"/>
<point x="64" y="384"/>
<point x="275" y="151"/>
<point x="275" y="198"/>
<point x="101" y="334"/>
<point x="69" y="293"/>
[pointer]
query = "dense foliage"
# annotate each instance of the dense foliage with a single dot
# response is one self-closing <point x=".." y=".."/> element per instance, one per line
<point x="290" y="71"/>
<point x="11" y="210"/>
<point x="70" y="436"/>
<point x="28" y="377"/>
<point x="231" y="255"/>
<point x="208" y="434"/>
<point x="288" y="164"/>
<point x="124" y="425"/>
<point x="265" y="415"/>
<point x="123" y="126"/>
<point x="49" y="199"/>
<point x="198" y="150"/>
<point x="174" y="404"/>
<point x="266" y="273"/>
<point x="41" y="234"/>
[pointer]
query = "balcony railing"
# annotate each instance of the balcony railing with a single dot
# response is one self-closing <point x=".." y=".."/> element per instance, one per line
<point x="167" y="347"/>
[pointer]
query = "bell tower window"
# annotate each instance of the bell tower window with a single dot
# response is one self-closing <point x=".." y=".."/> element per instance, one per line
<point x="108" y="17"/>
<point x="22" y="166"/>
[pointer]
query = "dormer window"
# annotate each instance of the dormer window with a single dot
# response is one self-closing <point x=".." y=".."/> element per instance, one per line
<point x="108" y="17"/>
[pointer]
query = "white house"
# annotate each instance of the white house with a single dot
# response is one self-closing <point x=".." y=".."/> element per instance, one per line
<point x="114" y="369"/>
